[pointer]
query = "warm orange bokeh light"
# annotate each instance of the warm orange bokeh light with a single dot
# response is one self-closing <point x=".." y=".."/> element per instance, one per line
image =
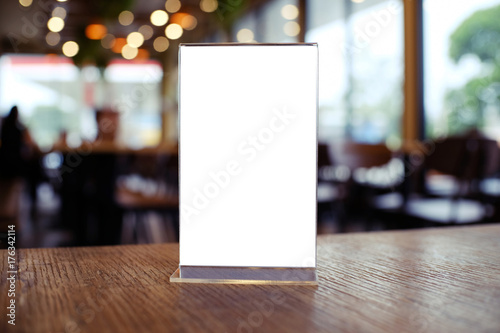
<point x="177" y="18"/>
<point x="119" y="44"/>
<point x="189" y="22"/>
<point x="185" y="20"/>
<point x="95" y="31"/>
<point x="142" y="54"/>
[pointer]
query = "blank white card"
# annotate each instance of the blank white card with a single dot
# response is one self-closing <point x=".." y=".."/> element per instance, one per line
<point x="248" y="123"/>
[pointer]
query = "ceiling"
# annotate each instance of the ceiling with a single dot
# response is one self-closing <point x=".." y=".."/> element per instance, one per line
<point x="23" y="29"/>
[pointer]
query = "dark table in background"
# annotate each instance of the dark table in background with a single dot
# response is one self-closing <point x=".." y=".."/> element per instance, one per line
<point x="88" y="188"/>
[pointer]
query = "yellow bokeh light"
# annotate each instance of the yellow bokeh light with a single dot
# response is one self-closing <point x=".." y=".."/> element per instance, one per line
<point x="53" y="38"/>
<point x="55" y="24"/>
<point x="161" y="44"/>
<point x="25" y="3"/>
<point x="173" y="31"/>
<point x="108" y="41"/>
<point x="245" y="36"/>
<point x="146" y="31"/>
<point x="159" y="17"/>
<point x="291" y="28"/>
<point x="209" y="6"/>
<point x="126" y="17"/>
<point x="172" y="6"/>
<point x="95" y="31"/>
<point x="59" y="12"/>
<point x="129" y="52"/>
<point x="290" y="12"/>
<point x="70" y="49"/>
<point x="135" y="39"/>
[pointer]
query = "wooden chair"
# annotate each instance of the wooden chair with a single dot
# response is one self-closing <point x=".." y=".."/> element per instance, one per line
<point x="138" y="207"/>
<point x="465" y="159"/>
<point x="351" y="158"/>
<point x="357" y="155"/>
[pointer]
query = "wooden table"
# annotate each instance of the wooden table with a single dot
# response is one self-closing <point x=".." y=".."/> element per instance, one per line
<point x="435" y="280"/>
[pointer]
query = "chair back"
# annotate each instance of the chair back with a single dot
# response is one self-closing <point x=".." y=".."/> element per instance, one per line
<point x="469" y="159"/>
<point x="450" y="156"/>
<point x="361" y="155"/>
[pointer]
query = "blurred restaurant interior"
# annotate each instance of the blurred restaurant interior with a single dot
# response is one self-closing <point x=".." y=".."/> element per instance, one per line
<point x="409" y="112"/>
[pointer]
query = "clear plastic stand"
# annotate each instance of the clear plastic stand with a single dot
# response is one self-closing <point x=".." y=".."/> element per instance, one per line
<point x="245" y="275"/>
<point x="248" y="163"/>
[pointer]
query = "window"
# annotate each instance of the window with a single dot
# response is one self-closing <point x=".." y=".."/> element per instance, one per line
<point x="361" y="51"/>
<point x="462" y="66"/>
<point x="63" y="98"/>
<point x="361" y="68"/>
<point x="50" y="96"/>
<point x="134" y="90"/>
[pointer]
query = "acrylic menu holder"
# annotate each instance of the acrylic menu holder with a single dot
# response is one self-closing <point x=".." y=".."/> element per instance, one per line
<point x="247" y="163"/>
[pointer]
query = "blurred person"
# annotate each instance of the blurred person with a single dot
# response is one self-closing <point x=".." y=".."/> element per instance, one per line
<point x="19" y="155"/>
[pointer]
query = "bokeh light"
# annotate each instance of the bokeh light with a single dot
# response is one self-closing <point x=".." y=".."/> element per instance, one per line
<point x="291" y="28"/>
<point x="53" y="38"/>
<point x="173" y="31"/>
<point x="25" y="3"/>
<point x="161" y="44"/>
<point x="185" y="20"/>
<point x="119" y="44"/>
<point x="172" y="6"/>
<point x="290" y="12"/>
<point x="70" y="49"/>
<point x="189" y="22"/>
<point x="95" y="31"/>
<point x="209" y="6"/>
<point x="135" y="39"/>
<point x="177" y="18"/>
<point x="142" y="54"/>
<point x="129" y="52"/>
<point x="146" y="31"/>
<point x="108" y="41"/>
<point x="159" y="17"/>
<point x="126" y="17"/>
<point x="245" y="36"/>
<point x="55" y="24"/>
<point x="59" y="12"/>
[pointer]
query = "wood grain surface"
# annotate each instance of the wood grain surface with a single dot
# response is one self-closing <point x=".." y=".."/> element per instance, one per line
<point x="434" y="280"/>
